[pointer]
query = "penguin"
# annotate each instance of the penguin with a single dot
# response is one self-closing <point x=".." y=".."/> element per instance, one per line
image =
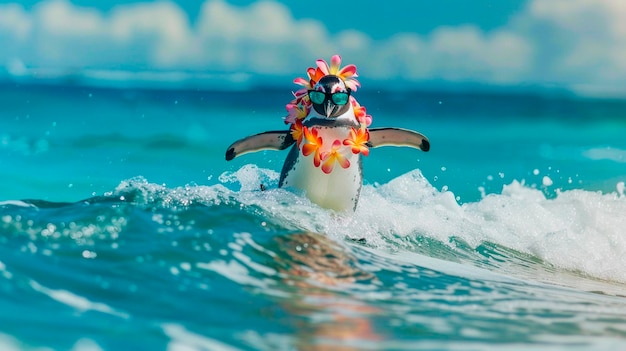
<point x="328" y="138"/>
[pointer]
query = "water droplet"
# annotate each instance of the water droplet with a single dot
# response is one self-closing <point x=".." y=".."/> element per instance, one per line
<point x="89" y="254"/>
<point x="547" y="181"/>
<point x="620" y="188"/>
<point x="482" y="191"/>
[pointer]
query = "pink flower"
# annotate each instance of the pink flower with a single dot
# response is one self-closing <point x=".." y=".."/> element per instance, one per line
<point x="296" y="112"/>
<point x="333" y="156"/>
<point x="348" y="73"/>
<point x="360" y="113"/>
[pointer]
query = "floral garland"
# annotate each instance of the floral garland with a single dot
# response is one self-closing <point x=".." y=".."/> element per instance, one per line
<point x="307" y="139"/>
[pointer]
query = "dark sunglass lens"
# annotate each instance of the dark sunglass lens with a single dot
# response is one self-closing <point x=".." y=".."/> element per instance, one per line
<point x="317" y="97"/>
<point x="340" y="98"/>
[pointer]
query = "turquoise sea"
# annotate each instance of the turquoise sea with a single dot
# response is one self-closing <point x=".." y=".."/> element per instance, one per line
<point x="122" y="227"/>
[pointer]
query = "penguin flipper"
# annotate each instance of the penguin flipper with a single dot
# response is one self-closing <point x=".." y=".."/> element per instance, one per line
<point x="274" y="140"/>
<point x="397" y="137"/>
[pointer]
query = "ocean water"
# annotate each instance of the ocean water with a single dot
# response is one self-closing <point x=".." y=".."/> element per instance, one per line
<point x="122" y="227"/>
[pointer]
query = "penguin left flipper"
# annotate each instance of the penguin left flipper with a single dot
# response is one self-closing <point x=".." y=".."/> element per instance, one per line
<point x="274" y="140"/>
<point x="397" y="137"/>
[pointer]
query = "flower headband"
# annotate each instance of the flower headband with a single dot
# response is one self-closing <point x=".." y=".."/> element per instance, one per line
<point x="298" y="109"/>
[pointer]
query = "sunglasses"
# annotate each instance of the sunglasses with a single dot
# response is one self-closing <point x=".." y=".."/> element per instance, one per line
<point x="338" y="98"/>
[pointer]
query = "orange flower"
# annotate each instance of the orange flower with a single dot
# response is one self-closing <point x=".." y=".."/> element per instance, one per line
<point x="315" y="74"/>
<point x="358" y="141"/>
<point x="333" y="156"/>
<point x="297" y="132"/>
<point x="313" y="145"/>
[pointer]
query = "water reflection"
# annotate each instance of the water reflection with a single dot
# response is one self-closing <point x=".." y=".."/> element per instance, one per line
<point x="322" y="277"/>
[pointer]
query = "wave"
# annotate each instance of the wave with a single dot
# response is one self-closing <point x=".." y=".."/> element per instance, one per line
<point x="577" y="230"/>
<point x="517" y="230"/>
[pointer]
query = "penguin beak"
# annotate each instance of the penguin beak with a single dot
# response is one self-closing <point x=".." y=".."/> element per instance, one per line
<point x="330" y="108"/>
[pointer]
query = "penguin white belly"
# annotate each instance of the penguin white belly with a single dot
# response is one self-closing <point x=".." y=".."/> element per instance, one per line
<point x="339" y="189"/>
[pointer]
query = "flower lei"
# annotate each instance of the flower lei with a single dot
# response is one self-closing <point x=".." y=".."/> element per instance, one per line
<point x="307" y="139"/>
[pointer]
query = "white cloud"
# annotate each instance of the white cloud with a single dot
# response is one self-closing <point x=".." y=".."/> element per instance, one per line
<point x="262" y="38"/>
<point x="571" y="43"/>
<point x="14" y="22"/>
<point x="580" y="43"/>
<point x="466" y="53"/>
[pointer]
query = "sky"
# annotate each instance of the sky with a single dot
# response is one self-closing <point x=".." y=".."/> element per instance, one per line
<point x="578" y="45"/>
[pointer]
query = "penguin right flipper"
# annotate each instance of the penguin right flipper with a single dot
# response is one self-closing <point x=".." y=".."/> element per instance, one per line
<point x="274" y="140"/>
<point x="397" y="137"/>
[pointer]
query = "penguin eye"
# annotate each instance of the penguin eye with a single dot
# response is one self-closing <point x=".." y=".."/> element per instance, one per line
<point x="317" y="97"/>
<point x="340" y="98"/>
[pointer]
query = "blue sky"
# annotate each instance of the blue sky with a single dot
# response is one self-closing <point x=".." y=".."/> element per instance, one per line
<point x="573" y="44"/>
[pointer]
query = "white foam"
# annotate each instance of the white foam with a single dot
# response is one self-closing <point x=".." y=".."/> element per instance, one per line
<point x="146" y="193"/>
<point x="4" y="272"/>
<point x="250" y="177"/>
<point x="185" y="340"/>
<point x="577" y="230"/>
<point x="17" y="203"/>
<point x="85" y="344"/>
<point x="236" y="272"/>
<point x="78" y="302"/>
<point x="9" y="343"/>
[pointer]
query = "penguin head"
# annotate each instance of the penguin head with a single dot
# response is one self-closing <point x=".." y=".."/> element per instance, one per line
<point x="330" y="97"/>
